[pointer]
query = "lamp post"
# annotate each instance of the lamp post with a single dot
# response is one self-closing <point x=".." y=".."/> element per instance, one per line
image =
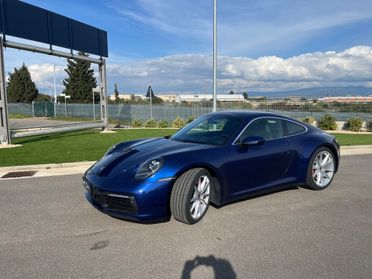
<point x="66" y="97"/>
<point x="94" y="107"/>
<point x="214" y="55"/>
<point x="150" y="106"/>
<point x="150" y="93"/>
<point x="55" y="90"/>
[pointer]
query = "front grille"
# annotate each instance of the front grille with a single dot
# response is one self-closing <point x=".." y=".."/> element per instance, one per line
<point x="122" y="204"/>
<point x="114" y="202"/>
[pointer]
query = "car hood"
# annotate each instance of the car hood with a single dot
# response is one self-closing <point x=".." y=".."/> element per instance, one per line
<point x="123" y="158"/>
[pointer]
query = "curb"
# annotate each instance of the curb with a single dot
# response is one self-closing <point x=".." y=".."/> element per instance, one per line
<point x="345" y="151"/>
<point x="86" y="164"/>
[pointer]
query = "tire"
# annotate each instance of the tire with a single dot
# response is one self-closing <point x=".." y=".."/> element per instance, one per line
<point x="189" y="199"/>
<point x="321" y="169"/>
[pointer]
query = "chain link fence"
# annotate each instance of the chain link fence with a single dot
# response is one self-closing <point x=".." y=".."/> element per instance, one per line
<point x="126" y="113"/>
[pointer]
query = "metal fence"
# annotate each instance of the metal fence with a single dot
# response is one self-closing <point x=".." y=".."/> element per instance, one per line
<point x="125" y="113"/>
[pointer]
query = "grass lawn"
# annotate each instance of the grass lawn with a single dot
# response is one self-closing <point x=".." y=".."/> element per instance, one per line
<point x="353" y="139"/>
<point x="87" y="145"/>
<point x="90" y="145"/>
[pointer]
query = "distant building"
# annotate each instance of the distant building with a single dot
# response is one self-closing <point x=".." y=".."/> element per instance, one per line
<point x="171" y="98"/>
<point x="128" y="97"/>
<point x="192" y="98"/>
<point x="347" y="99"/>
<point x="189" y="98"/>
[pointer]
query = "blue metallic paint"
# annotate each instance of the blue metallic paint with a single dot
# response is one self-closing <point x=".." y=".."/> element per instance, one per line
<point x="238" y="171"/>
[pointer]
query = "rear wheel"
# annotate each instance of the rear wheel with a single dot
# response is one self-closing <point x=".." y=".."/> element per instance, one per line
<point x="190" y="196"/>
<point x="321" y="169"/>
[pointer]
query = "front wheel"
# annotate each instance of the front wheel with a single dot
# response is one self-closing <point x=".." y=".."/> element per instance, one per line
<point x="321" y="169"/>
<point x="189" y="199"/>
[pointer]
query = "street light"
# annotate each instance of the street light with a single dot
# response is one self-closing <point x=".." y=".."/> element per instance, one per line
<point x="214" y="55"/>
<point x="55" y="90"/>
<point x="66" y="97"/>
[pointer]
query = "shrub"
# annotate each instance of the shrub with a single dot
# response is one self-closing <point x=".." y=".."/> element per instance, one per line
<point x="163" y="124"/>
<point x="354" y="124"/>
<point x="190" y="119"/>
<point x="309" y="120"/>
<point x="136" y="123"/>
<point x="178" y="122"/>
<point x="151" y="123"/>
<point x="369" y="125"/>
<point x="327" y="122"/>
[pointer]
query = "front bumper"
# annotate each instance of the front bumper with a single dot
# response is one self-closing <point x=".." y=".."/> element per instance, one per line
<point x="146" y="202"/>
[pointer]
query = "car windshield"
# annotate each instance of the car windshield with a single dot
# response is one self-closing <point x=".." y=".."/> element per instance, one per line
<point x="209" y="129"/>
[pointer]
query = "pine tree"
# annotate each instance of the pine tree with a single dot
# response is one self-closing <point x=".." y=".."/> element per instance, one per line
<point x="80" y="81"/>
<point x="116" y="92"/>
<point x="20" y="87"/>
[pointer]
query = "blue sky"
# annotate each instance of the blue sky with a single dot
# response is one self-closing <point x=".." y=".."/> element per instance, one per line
<point x="263" y="45"/>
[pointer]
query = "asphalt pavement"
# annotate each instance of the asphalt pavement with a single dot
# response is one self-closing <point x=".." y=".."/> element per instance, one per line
<point x="49" y="230"/>
<point x="17" y="123"/>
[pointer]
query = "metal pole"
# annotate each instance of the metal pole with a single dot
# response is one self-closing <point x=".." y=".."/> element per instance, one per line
<point x="214" y="55"/>
<point x="55" y="90"/>
<point x="50" y="52"/>
<point x="103" y="93"/>
<point x="4" y="128"/>
<point x="150" y="103"/>
<point x="94" y="107"/>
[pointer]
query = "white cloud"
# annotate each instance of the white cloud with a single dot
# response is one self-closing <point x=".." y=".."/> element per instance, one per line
<point x="43" y="76"/>
<point x="193" y="72"/>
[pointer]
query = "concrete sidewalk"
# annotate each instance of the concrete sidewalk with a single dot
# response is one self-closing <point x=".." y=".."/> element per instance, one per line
<point x="50" y="169"/>
<point x="81" y="167"/>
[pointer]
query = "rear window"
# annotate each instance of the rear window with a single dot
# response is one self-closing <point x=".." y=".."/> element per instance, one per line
<point x="294" y="129"/>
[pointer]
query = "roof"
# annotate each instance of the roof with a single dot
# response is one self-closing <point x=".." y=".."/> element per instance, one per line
<point x="248" y="115"/>
<point x="245" y="114"/>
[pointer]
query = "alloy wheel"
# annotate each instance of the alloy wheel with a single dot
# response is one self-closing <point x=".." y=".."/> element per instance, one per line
<point x="200" y="197"/>
<point x="323" y="168"/>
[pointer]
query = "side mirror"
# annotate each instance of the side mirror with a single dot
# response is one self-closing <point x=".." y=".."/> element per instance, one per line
<point x="252" y="140"/>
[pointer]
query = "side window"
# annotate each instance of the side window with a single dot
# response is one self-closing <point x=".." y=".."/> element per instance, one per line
<point x="293" y="128"/>
<point x="268" y="128"/>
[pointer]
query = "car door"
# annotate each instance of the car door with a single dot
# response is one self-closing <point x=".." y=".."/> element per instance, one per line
<point x="257" y="167"/>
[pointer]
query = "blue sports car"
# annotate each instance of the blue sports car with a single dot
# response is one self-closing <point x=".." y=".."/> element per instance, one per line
<point x="216" y="159"/>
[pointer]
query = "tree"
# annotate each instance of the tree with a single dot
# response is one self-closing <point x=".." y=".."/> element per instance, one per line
<point x="20" y="87"/>
<point x="116" y="92"/>
<point x="245" y="95"/>
<point x="80" y="81"/>
<point x="149" y="91"/>
<point x="231" y="92"/>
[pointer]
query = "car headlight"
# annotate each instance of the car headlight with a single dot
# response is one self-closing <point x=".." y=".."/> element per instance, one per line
<point x="149" y="168"/>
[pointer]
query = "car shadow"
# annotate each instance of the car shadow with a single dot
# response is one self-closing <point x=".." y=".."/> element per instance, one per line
<point x="221" y="267"/>
<point x="259" y="195"/>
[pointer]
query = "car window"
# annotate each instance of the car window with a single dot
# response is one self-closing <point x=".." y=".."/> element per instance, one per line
<point x="268" y="128"/>
<point x="206" y="125"/>
<point x="210" y="129"/>
<point x="293" y="128"/>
